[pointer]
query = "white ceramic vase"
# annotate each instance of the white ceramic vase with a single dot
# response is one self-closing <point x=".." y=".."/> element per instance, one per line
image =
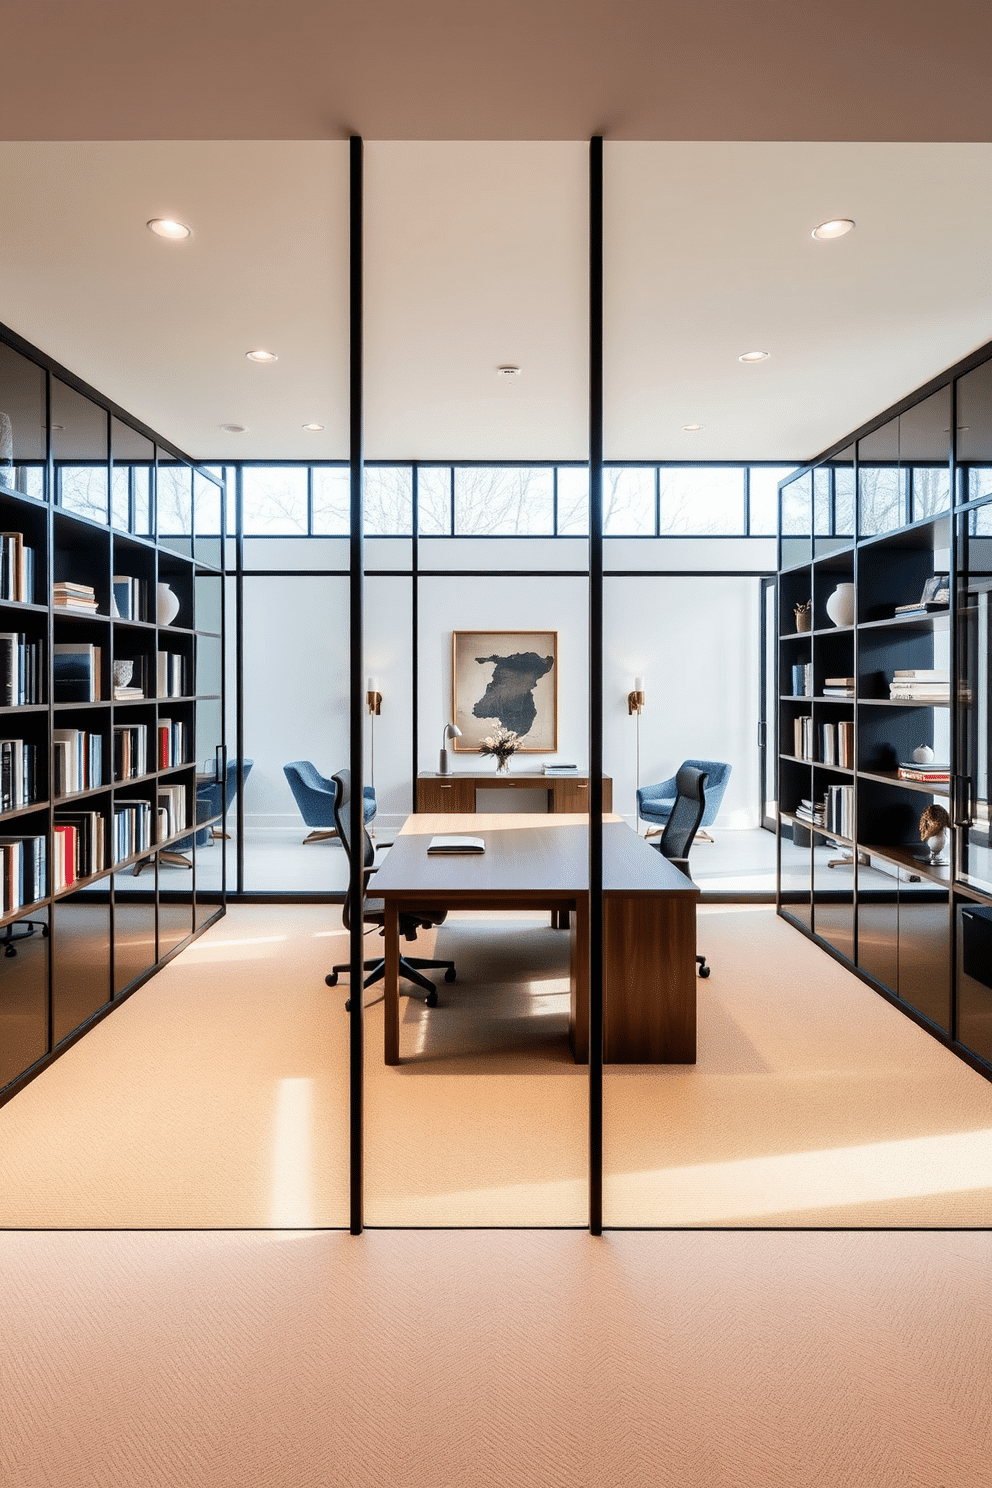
<point x="840" y="605"/>
<point x="167" y="604"/>
<point x="923" y="755"/>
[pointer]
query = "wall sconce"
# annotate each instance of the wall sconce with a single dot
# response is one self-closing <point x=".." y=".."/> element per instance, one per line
<point x="635" y="705"/>
<point x="451" y="731"/>
<point x="372" y="695"/>
<point x="373" y="699"/>
<point x="635" y="699"/>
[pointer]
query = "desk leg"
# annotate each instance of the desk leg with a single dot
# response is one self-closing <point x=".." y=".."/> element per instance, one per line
<point x="391" y="984"/>
<point x="578" y="1013"/>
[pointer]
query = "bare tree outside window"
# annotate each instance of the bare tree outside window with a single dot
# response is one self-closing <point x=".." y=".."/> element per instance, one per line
<point x="120" y="497"/>
<point x="496" y="501"/>
<point x="573" y="500"/>
<point x="206" y="506"/>
<point x="434" y="500"/>
<point x="83" y="490"/>
<point x="175" y="498"/>
<point x="628" y="501"/>
<point x="931" y="490"/>
<point x="331" y="501"/>
<point x="388" y="501"/>
<point x="764" y="498"/>
<point x="702" y="500"/>
<point x="797" y="507"/>
<point x="881" y="491"/>
<point x="274" y="500"/>
<point x="979" y="482"/>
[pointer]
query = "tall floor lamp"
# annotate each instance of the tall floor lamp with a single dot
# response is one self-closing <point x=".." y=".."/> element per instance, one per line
<point x="635" y="703"/>
<point x="373" y="698"/>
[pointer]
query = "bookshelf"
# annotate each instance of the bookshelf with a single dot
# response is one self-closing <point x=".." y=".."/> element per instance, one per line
<point x="918" y="677"/>
<point x="108" y="792"/>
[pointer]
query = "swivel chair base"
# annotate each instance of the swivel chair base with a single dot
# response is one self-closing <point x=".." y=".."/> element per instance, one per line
<point x="320" y="834"/>
<point x="408" y="971"/>
<point x="26" y="929"/>
<point x="704" y="970"/>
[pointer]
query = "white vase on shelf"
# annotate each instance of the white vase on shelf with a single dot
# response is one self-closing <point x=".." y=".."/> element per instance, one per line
<point x="167" y="605"/>
<point x="840" y="605"/>
<point x="923" y="755"/>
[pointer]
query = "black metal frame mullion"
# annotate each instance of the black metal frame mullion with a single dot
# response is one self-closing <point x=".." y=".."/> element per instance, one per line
<point x="239" y="661"/>
<point x="596" y="685"/>
<point x="356" y="551"/>
<point x="415" y="634"/>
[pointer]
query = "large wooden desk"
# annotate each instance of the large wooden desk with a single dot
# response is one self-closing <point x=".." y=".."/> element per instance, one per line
<point x="456" y="792"/>
<point x="649" y="991"/>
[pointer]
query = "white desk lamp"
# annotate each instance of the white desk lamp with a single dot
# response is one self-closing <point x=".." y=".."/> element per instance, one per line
<point x="451" y="731"/>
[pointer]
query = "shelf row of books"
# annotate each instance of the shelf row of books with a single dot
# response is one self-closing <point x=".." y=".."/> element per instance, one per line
<point x="18" y="774"/>
<point x="829" y="744"/>
<point x="22" y="872"/>
<point x="171" y="743"/>
<point x="21" y="671"/>
<point x="77" y="761"/>
<point x="130" y="750"/>
<point x="78" y="847"/>
<point x="173" y="678"/>
<point x="171" y="811"/>
<point x="838" y="810"/>
<point x="77" y="674"/>
<point x="130" y="598"/>
<point x="16" y="568"/>
<point x="802" y="679"/>
<point x="132" y="828"/>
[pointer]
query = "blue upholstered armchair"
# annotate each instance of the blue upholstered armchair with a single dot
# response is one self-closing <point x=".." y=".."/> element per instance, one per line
<point x="216" y="795"/>
<point x="655" y="802"/>
<point x="315" y="797"/>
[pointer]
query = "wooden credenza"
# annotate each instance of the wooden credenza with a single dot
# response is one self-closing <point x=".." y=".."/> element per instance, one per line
<point x="456" y="792"/>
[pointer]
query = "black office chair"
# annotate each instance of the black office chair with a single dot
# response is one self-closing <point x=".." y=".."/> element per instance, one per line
<point x="374" y="911"/>
<point x="682" y="826"/>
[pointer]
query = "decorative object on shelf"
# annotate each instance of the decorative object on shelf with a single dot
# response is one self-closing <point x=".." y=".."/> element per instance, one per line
<point x="804" y="616"/>
<point x="502" y="744"/>
<point x="840" y="605"/>
<point x="507" y="679"/>
<point x="451" y="731"/>
<point x="167" y="604"/>
<point x="936" y="596"/>
<point x="934" y="825"/>
<point x="635" y="703"/>
<point x="123" y="672"/>
<point x="923" y="754"/>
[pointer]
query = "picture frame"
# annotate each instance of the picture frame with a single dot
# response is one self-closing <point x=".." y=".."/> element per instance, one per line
<point x="936" y="590"/>
<point x="507" y="677"/>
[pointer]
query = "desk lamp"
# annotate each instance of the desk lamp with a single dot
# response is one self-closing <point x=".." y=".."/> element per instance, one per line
<point x="451" y="731"/>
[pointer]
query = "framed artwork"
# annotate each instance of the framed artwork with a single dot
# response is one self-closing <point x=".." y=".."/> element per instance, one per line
<point x="507" y="677"/>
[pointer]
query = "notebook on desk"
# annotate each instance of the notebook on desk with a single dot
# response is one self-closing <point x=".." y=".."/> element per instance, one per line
<point x="458" y="845"/>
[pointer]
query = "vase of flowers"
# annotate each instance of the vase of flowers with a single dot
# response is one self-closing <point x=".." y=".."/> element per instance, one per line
<point x="502" y="744"/>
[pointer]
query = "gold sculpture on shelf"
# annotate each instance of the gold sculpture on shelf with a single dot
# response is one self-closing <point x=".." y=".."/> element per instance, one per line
<point x="804" y="615"/>
<point x="933" y="831"/>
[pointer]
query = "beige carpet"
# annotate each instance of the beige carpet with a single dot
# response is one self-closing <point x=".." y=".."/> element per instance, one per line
<point x="217" y="1096"/>
<point x="467" y="1360"/>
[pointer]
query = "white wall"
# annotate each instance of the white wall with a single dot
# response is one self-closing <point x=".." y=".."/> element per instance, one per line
<point x="694" y="639"/>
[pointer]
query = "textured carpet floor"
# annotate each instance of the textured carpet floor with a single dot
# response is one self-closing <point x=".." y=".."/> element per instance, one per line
<point x="217" y="1096"/>
<point x="464" y="1360"/>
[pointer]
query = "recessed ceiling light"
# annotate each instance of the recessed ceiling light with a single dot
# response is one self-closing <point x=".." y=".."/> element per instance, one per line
<point x="314" y="428"/>
<point x="234" y="428"/>
<point x="507" y="371"/>
<point x="167" y="227"/>
<point x="59" y="427"/>
<point x="262" y="356"/>
<point x="837" y="227"/>
<point x="754" y="356"/>
<point x="691" y="428"/>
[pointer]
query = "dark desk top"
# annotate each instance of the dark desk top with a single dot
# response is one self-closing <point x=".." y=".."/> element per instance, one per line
<point x="526" y="854"/>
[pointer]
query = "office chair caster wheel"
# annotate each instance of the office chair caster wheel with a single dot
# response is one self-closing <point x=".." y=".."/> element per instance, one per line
<point x="704" y="971"/>
<point x="331" y="979"/>
<point x="449" y="975"/>
<point x="430" y="1000"/>
<point x="10" y="951"/>
<point x="347" y="1006"/>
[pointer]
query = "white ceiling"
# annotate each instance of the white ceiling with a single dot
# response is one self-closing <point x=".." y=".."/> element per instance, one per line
<point x="476" y="255"/>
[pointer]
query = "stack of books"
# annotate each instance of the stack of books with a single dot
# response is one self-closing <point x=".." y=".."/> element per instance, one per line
<point x="171" y="743"/>
<point x="21" y="667"/>
<point x="69" y="596"/>
<point x="132" y="828"/>
<point x="16" y="568"/>
<point x="78" y="847"/>
<point x="77" y="761"/>
<point x="839" y="687"/>
<point x="811" y="812"/>
<point x="130" y="597"/>
<point x="130" y="750"/>
<point x="925" y="774"/>
<point x="76" y="672"/>
<point x="171" y="674"/>
<point x="558" y="769"/>
<point x="837" y="744"/>
<point x="22" y="872"/>
<point x="921" y="685"/>
<point x="802" y="738"/>
<point x="18" y="774"/>
<point x="171" y="811"/>
<point x="838" y="813"/>
<point x="802" y="679"/>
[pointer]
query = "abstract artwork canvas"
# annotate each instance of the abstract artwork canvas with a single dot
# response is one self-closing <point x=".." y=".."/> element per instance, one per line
<point x="507" y="677"/>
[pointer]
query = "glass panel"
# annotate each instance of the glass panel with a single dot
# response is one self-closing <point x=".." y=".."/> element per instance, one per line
<point x="974" y="979"/>
<point x="573" y="500"/>
<point x="175" y="909"/>
<point x="924" y="451"/>
<point x="23" y="423"/>
<point x="707" y="501"/>
<point x="833" y="886"/>
<point x="796" y="517"/>
<point x="925" y="954"/>
<point x="628" y="501"/>
<point x="274" y="501"/>
<point x="175" y="503"/>
<point x="500" y="501"/>
<point x="878" y="924"/>
<point x="821" y="501"/>
<point x="974" y="433"/>
<point x="434" y="501"/>
<point x="79" y="448"/>
<point x="208" y="501"/>
<point x="81" y="965"/>
<point x="331" y="500"/>
<point x="134" y="927"/>
<point x="881" y="490"/>
<point x="974" y="835"/>
<point x="844" y="503"/>
<point x="388" y="500"/>
<point x="23" y="995"/>
<point x="764" y="498"/>
<point x="134" y="460"/>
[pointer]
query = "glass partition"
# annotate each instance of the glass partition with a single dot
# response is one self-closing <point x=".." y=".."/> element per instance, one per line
<point x="973" y="434"/>
<point x="23" y="423"/>
<point x="80" y="434"/>
<point x="133" y="473"/>
<point x="881" y="487"/>
<point x="174" y="503"/>
<point x="925" y="452"/>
